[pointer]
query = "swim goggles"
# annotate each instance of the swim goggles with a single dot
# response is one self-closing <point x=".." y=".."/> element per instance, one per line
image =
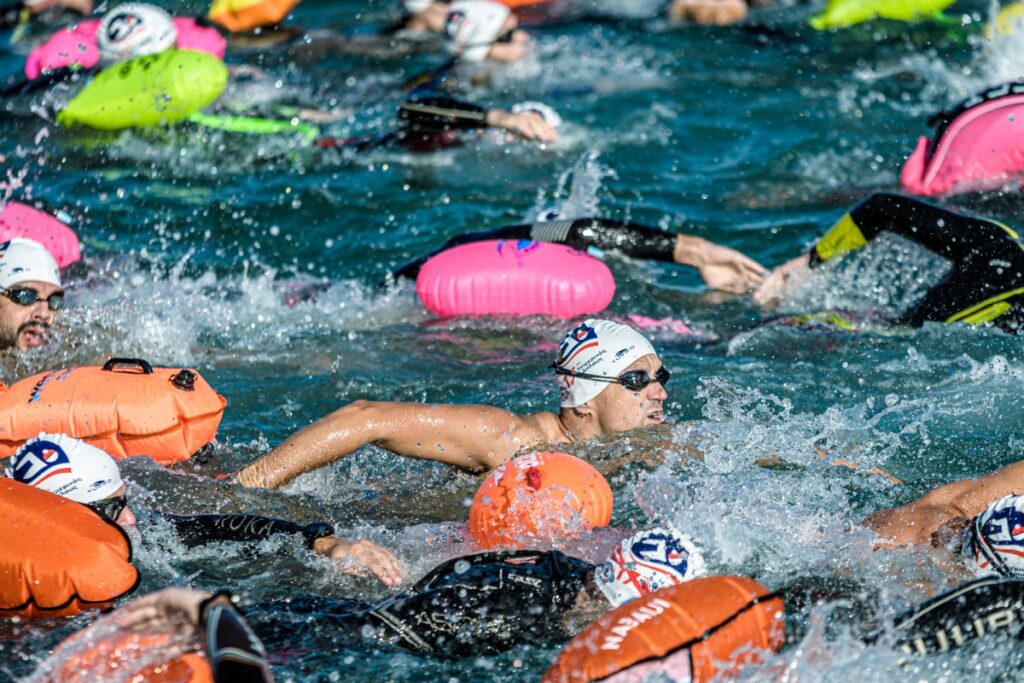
<point x="26" y="296"/>
<point x="634" y="380"/>
<point x="109" y="508"/>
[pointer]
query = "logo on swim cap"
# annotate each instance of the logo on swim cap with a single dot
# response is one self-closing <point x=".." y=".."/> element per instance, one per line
<point x="648" y="561"/>
<point x="996" y="544"/>
<point x="39" y="460"/>
<point x="133" y="30"/>
<point x="582" y="337"/>
<point x="66" y="466"/>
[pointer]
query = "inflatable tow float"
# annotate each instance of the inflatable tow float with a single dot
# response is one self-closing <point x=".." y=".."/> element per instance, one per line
<point x="126" y="408"/>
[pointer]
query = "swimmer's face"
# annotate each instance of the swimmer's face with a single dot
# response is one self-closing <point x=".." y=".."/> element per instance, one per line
<point x="618" y="409"/>
<point x="124" y="517"/>
<point x="515" y="47"/>
<point x="27" y="327"/>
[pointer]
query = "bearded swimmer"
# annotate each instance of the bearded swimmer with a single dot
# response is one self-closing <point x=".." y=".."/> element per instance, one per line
<point x="610" y="380"/>
<point x="85" y="474"/>
<point x="31" y="294"/>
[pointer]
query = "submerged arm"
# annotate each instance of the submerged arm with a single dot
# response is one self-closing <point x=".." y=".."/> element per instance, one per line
<point x="472" y="438"/>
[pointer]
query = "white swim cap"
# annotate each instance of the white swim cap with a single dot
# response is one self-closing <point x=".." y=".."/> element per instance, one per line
<point x="416" y="6"/>
<point x="23" y="259"/>
<point x="996" y="543"/>
<point x="547" y="113"/>
<point x="596" y="347"/>
<point x="648" y="561"/>
<point x="66" y="466"/>
<point x="472" y="27"/>
<point x="134" y="29"/>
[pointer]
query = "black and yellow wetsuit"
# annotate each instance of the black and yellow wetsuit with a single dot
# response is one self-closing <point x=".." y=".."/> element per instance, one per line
<point x="985" y="280"/>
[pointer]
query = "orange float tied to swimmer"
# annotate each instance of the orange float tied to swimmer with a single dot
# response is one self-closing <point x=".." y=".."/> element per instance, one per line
<point x="692" y="632"/>
<point x="59" y="557"/>
<point x="125" y="408"/>
<point x="103" y="652"/>
<point x="539" y="497"/>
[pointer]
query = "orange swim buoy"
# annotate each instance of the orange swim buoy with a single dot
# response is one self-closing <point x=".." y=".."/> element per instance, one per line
<point x="539" y="497"/>
<point x="59" y="557"/>
<point x="126" y="408"/>
<point x="97" y="654"/>
<point x="238" y="16"/>
<point x="691" y="632"/>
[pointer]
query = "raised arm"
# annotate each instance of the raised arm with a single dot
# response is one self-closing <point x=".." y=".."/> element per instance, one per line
<point x="471" y="437"/>
<point x="915" y="522"/>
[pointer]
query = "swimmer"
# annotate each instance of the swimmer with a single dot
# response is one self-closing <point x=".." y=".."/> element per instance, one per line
<point x="85" y="474"/>
<point x="986" y="261"/>
<point x="480" y="30"/>
<point x="941" y="514"/>
<point x="720" y="267"/>
<point x="490" y="602"/>
<point x="610" y="380"/>
<point x="31" y="295"/>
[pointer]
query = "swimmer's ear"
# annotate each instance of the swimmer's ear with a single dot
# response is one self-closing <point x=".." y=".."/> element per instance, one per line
<point x="583" y="412"/>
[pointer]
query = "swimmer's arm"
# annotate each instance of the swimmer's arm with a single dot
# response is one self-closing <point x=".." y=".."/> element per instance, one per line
<point x="914" y="523"/>
<point x="195" y="530"/>
<point x="440" y="113"/>
<point x="473" y="438"/>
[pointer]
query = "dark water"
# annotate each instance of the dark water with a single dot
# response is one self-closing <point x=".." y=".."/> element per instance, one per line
<point x="758" y="137"/>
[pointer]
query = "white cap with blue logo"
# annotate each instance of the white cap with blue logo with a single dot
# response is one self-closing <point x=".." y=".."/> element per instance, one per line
<point x="66" y="466"/>
<point x="596" y="347"/>
<point x="996" y="542"/>
<point x="24" y="260"/>
<point x="648" y="561"/>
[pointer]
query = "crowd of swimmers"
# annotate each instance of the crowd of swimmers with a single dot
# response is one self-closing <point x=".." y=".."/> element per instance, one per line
<point x="609" y="376"/>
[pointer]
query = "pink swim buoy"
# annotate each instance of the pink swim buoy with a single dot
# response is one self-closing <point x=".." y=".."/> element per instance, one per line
<point x="979" y="147"/>
<point x="514" y="277"/>
<point x="77" y="45"/>
<point x="19" y="220"/>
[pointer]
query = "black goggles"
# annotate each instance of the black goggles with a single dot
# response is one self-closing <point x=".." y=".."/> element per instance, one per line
<point x="505" y="37"/>
<point x="26" y="296"/>
<point x="109" y="508"/>
<point x="634" y="380"/>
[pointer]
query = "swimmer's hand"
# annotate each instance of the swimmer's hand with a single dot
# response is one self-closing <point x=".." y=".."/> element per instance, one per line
<point x="172" y="609"/>
<point x="791" y="273"/>
<point x="361" y="557"/>
<point x="708" y="12"/>
<point x="528" y="124"/>
<point x="721" y="267"/>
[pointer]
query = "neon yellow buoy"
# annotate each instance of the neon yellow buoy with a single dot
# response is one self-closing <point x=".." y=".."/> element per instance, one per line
<point x="148" y="91"/>
<point x="843" y="13"/>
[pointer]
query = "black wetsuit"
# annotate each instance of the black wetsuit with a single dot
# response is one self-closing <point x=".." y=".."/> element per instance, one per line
<point x="631" y="239"/>
<point x="986" y="280"/>
<point x="195" y="530"/>
<point x="478" y="604"/>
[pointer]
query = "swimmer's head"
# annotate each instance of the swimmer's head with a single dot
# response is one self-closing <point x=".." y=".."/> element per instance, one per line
<point x="476" y="30"/>
<point x="134" y="29"/>
<point x="546" y="112"/>
<point x="996" y="542"/>
<point x="75" y="470"/>
<point x="648" y="561"/>
<point x="30" y="294"/>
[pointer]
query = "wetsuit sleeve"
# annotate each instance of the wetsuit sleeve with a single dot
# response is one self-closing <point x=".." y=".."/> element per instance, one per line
<point x="440" y="113"/>
<point x="631" y="239"/>
<point x="198" y="529"/>
<point x="233" y="649"/>
<point x="946" y="233"/>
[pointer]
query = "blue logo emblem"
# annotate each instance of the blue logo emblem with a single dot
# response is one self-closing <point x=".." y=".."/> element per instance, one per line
<point x="583" y="337"/>
<point x="40" y="460"/>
